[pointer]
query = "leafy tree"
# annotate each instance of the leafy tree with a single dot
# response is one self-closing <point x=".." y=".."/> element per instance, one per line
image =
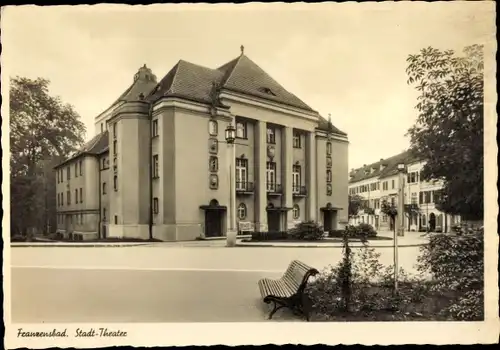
<point x="355" y="204"/>
<point x="43" y="131"/>
<point x="448" y="133"/>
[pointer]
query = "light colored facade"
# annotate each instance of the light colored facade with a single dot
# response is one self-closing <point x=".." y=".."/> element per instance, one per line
<point x="163" y="169"/>
<point x="380" y="181"/>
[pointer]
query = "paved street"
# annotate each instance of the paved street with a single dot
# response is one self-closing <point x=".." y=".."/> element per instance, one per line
<point x="156" y="283"/>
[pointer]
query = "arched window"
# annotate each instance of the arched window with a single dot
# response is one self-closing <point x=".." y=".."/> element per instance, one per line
<point x="296" y="212"/>
<point x="242" y="211"/>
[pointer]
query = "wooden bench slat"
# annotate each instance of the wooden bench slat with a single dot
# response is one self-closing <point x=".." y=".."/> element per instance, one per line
<point x="287" y="291"/>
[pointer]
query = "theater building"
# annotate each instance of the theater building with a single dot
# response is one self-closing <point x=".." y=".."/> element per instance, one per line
<point x="159" y="165"/>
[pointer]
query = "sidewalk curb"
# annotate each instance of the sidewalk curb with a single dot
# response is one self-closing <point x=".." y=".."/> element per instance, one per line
<point x="47" y="245"/>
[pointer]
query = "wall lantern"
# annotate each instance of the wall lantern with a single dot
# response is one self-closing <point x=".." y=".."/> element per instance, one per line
<point x="230" y="133"/>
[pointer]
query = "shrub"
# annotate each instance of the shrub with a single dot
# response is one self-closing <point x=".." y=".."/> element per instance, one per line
<point x="335" y="233"/>
<point x="269" y="236"/>
<point x="367" y="229"/>
<point x="307" y="231"/>
<point x="457" y="266"/>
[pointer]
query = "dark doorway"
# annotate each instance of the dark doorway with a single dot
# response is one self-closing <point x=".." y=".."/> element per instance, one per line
<point x="213" y="223"/>
<point x="327" y="220"/>
<point x="273" y="220"/>
<point x="376" y="222"/>
<point x="432" y="222"/>
<point x="104" y="233"/>
<point x="214" y="214"/>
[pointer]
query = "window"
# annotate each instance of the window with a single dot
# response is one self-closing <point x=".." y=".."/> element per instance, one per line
<point x="103" y="214"/>
<point x="212" y="128"/>
<point x="385" y="186"/>
<point x="271" y="176"/>
<point x="81" y="169"/>
<point x="241" y="130"/>
<point x="296" y="212"/>
<point x="393" y="201"/>
<point x="61" y="176"/>
<point x="213" y="164"/>
<point x="328" y="162"/>
<point x="437" y="196"/>
<point x="68" y="197"/>
<point x="114" y="131"/>
<point x="57" y="176"/>
<point x="241" y="174"/>
<point x="155" y="205"/>
<point x="271" y="135"/>
<point x="116" y="219"/>
<point x="329" y="189"/>
<point x="115" y="182"/>
<point x="393" y="184"/>
<point x="384" y="218"/>
<point x="242" y="211"/>
<point x="156" y="172"/>
<point x="104" y="188"/>
<point x="76" y="195"/>
<point x="377" y="204"/>
<point x="378" y="186"/>
<point x="115" y="146"/>
<point x="154" y="130"/>
<point x="424" y="223"/>
<point x="68" y="173"/>
<point x="413" y="177"/>
<point x="76" y="169"/>
<point x="329" y="176"/>
<point x="296" y="179"/>
<point x="328" y="148"/>
<point x="296" y="140"/>
<point x="81" y="218"/>
<point x="81" y="196"/>
<point x="102" y="128"/>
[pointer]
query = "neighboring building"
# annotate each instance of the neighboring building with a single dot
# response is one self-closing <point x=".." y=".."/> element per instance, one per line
<point x="379" y="181"/>
<point x="159" y="166"/>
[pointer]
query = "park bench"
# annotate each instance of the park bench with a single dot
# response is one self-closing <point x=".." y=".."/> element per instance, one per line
<point x="288" y="291"/>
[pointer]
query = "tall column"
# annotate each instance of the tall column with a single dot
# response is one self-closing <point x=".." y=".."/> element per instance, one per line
<point x="311" y="176"/>
<point x="287" y="169"/>
<point x="260" y="176"/>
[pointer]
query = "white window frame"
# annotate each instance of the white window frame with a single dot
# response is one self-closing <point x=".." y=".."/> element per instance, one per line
<point x="296" y="212"/>
<point x="241" y="130"/>
<point x="241" y="174"/>
<point x="271" y="176"/>
<point x="242" y="211"/>
<point x="296" y="170"/>
<point x="296" y="140"/>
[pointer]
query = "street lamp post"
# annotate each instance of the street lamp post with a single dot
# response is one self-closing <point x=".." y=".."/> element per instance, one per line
<point x="230" y="134"/>
<point x="401" y="199"/>
<point x="399" y="224"/>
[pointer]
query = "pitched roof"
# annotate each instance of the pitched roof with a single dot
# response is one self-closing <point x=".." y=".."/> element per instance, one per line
<point x="96" y="146"/>
<point x="245" y="76"/>
<point x="189" y="81"/>
<point x="325" y="125"/>
<point x="144" y="82"/>
<point x="195" y="82"/>
<point x="390" y="167"/>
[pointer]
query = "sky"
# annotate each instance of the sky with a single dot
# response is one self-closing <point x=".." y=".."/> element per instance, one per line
<point x="345" y="59"/>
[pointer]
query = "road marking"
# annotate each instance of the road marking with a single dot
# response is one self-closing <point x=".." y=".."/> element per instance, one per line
<point x="128" y="268"/>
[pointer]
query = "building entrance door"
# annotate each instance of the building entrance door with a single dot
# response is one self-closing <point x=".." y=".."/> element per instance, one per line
<point x="273" y="221"/>
<point x="327" y="220"/>
<point x="213" y="223"/>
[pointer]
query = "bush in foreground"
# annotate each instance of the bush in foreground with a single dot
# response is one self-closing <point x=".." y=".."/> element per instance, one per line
<point x="360" y="288"/>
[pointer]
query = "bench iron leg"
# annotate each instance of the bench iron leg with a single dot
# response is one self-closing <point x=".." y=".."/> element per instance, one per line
<point x="276" y="308"/>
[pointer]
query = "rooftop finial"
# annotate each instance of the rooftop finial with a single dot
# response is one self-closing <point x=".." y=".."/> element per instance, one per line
<point x="242" y="48"/>
<point x="329" y="117"/>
